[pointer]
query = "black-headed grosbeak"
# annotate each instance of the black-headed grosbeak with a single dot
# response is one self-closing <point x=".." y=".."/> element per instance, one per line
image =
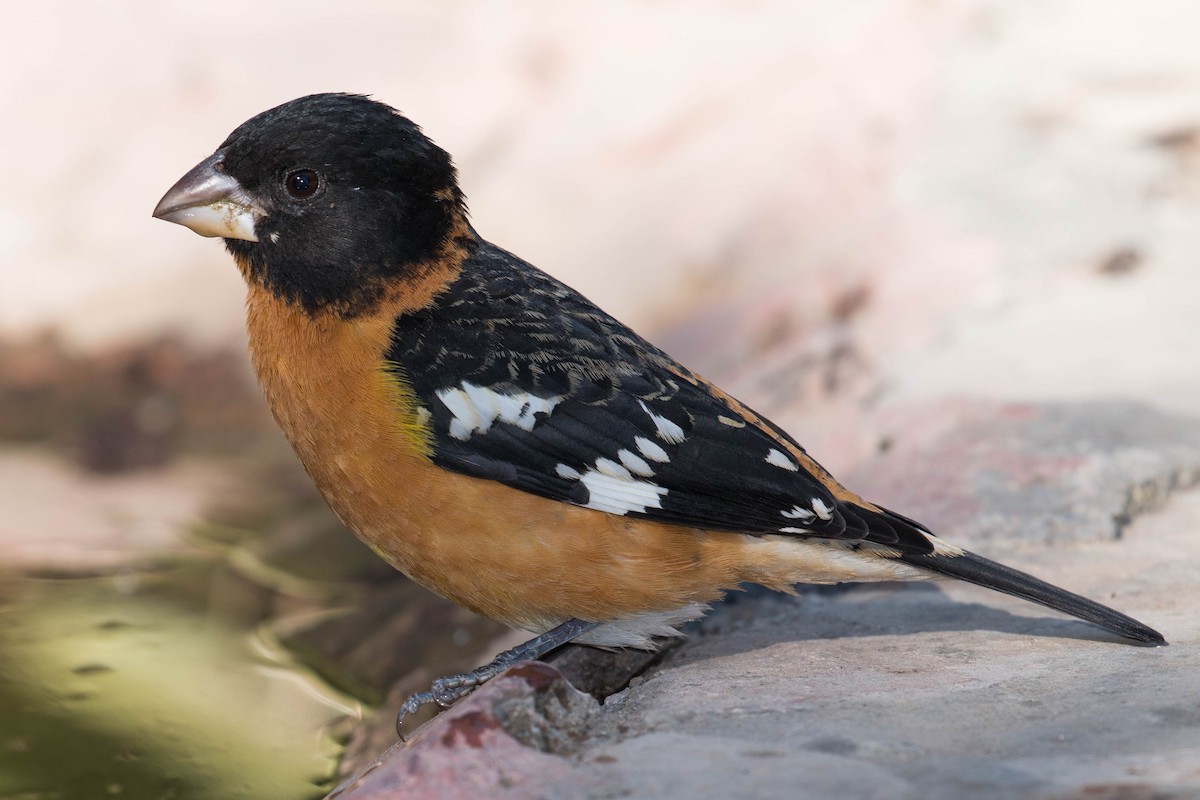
<point x="497" y="437"/>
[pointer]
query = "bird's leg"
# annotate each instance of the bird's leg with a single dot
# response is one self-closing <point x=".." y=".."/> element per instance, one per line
<point x="447" y="689"/>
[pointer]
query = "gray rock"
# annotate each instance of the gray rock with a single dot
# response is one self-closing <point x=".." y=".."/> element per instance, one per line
<point x="715" y="765"/>
<point x="1050" y="472"/>
<point x="917" y="690"/>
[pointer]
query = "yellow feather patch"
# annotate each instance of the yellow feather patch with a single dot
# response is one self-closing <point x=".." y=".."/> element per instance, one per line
<point x="412" y="418"/>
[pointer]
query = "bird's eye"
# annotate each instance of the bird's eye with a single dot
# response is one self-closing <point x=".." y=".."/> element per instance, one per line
<point x="302" y="183"/>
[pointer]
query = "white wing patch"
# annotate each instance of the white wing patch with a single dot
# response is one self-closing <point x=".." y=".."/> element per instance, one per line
<point x="776" y="458"/>
<point x="618" y="496"/>
<point x="612" y="488"/>
<point x="476" y="409"/>
<point x="669" y="431"/>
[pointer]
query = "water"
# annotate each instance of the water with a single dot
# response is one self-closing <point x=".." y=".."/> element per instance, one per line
<point x="152" y="685"/>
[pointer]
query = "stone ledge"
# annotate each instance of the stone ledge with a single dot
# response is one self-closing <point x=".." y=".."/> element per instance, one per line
<point x="922" y="691"/>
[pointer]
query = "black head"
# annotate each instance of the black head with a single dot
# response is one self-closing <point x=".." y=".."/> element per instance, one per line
<point x="325" y="199"/>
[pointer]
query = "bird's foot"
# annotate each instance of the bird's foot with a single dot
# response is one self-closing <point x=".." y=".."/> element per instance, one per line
<point x="445" y="691"/>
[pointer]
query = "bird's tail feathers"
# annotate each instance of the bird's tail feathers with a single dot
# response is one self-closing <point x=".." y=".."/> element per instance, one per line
<point x="980" y="571"/>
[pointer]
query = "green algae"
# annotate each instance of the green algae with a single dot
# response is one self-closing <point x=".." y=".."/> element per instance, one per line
<point x="153" y="686"/>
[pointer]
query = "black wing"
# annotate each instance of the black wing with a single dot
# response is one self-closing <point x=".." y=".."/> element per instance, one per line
<point x="529" y="384"/>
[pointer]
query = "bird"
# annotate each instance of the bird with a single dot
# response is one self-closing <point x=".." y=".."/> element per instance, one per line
<point x="497" y="437"/>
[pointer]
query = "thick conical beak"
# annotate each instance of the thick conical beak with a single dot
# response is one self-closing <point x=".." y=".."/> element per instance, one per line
<point x="210" y="202"/>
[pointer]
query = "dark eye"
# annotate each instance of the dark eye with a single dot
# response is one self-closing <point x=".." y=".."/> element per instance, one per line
<point x="302" y="183"/>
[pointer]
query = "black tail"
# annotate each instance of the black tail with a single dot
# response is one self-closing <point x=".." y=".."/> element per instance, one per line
<point x="982" y="572"/>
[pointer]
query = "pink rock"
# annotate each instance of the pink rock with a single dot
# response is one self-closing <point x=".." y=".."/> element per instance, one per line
<point x="508" y="739"/>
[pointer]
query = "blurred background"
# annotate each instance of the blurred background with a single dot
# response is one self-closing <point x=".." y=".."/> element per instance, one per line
<point x="836" y="208"/>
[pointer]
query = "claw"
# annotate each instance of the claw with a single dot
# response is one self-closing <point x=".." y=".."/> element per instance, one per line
<point x="413" y="703"/>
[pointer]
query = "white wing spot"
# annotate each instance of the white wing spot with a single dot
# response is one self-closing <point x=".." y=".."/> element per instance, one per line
<point x="476" y="408"/>
<point x="776" y="458"/>
<point x="635" y="463"/>
<point x="569" y="473"/>
<point x="669" y="431"/>
<point x="274" y="237"/>
<point x="799" y="512"/>
<point x="606" y="466"/>
<point x="651" y="450"/>
<point x="823" y="511"/>
<point x="466" y="418"/>
<point x="793" y="530"/>
<point x="730" y="421"/>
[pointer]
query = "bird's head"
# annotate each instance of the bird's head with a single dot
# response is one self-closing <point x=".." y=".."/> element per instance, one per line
<point x="324" y="200"/>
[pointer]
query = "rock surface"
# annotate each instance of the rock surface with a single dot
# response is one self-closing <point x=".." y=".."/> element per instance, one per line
<point x="1031" y="473"/>
<point x="909" y="691"/>
<point x="506" y="740"/>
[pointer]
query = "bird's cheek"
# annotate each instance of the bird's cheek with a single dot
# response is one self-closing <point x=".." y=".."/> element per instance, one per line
<point x="268" y="233"/>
